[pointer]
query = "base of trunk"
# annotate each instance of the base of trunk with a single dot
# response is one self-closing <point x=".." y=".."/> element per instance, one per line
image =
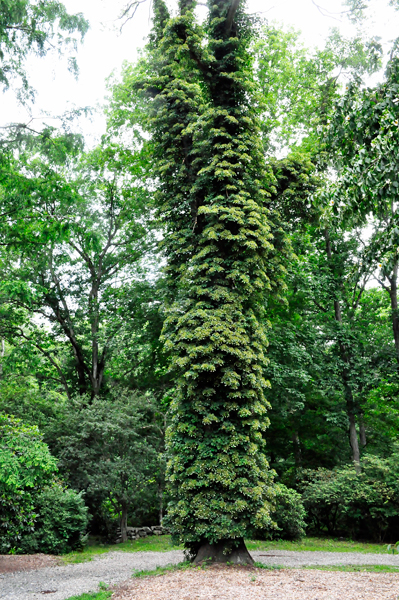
<point x="223" y="552"/>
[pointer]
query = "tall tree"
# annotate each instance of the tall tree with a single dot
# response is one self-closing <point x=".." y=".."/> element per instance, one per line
<point x="363" y="141"/>
<point x="221" y="264"/>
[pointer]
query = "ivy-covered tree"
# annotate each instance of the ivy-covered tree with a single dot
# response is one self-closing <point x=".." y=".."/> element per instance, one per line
<point x="220" y="243"/>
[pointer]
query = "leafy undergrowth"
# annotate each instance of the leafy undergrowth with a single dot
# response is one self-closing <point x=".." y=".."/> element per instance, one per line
<point x="318" y="544"/>
<point x="164" y="543"/>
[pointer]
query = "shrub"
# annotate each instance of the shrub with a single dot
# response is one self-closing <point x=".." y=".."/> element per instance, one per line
<point x="60" y="524"/>
<point x="364" y="505"/>
<point x="288" y="515"/>
<point x="26" y="466"/>
<point x="37" y="514"/>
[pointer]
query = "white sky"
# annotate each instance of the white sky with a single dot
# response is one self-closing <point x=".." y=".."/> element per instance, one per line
<point x="104" y="49"/>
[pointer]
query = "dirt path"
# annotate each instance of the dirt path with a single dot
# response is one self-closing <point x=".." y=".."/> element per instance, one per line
<point x="61" y="582"/>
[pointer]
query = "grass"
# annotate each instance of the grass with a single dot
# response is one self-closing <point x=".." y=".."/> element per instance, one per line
<point x="356" y="568"/>
<point x="103" y="595"/>
<point x="183" y="566"/>
<point x="161" y="543"/>
<point x="164" y="543"/>
<point x="322" y="544"/>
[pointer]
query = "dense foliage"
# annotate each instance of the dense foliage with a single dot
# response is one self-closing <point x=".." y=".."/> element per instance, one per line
<point x="361" y="505"/>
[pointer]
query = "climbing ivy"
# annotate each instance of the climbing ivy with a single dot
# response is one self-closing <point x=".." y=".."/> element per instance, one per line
<point x="223" y="247"/>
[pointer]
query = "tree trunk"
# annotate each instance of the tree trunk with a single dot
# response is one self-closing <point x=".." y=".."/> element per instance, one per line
<point x="2" y="356"/>
<point x="393" y="294"/>
<point x="350" y="403"/>
<point x="224" y="552"/>
<point x="234" y="4"/>
<point x="124" y="521"/>
<point x="354" y="441"/>
<point x="362" y="431"/>
<point x="297" y="449"/>
<point x="160" y="497"/>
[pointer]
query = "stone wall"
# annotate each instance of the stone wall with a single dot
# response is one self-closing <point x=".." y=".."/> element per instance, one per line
<point x="134" y="533"/>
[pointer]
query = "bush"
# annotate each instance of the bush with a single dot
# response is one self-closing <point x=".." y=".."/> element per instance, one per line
<point x="26" y="466"/>
<point x="364" y="505"/>
<point x="288" y="514"/>
<point x="61" y="522"/>
<point x="37" y="514"/>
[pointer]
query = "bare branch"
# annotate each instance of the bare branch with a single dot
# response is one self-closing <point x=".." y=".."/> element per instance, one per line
<point x="132" y="6"/>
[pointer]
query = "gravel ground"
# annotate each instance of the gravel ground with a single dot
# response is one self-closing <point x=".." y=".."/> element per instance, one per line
<point x="287" y="558"/>
<point x="221" y="583"/>
<point x="61" y="582"/>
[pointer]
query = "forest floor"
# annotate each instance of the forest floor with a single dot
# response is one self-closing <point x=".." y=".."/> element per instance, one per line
<point x="333" y="570"/>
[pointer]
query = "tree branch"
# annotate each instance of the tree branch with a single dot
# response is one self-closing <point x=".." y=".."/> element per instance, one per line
<point x="231" y="14"/>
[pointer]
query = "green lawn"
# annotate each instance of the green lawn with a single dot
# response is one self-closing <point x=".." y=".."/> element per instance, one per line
<point x="151" y="543"/>
<point x="323" y="544"/>
<point x="356" y="568"/>
<point x="163" y="544"/>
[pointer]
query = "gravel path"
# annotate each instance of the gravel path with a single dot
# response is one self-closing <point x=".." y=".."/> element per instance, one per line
<point x="61" y="582"/>
<point x="287" y="558"/>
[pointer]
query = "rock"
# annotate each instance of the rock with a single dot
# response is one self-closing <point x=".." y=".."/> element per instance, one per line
<point x="148" y="530"/>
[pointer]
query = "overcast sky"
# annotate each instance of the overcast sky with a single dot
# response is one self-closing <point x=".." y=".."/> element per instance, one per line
<point x="105" y="48"/>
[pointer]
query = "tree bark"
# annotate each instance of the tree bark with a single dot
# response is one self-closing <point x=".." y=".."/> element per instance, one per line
<point x="223" y="552"/>
<point x="160" y="498"/>
<point x="362" y="431"/>
<point x="231" y="14"/>
<point x="353" y="439"/>
<point x="2" y="352"/>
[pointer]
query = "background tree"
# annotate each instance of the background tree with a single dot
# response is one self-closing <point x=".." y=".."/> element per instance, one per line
<point x="363" y="138"/>
<point x="35" y="26"/>
<point x="73" y="252"/>
<point x="111" y="448"/>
